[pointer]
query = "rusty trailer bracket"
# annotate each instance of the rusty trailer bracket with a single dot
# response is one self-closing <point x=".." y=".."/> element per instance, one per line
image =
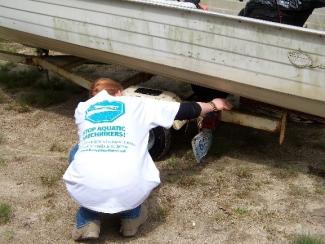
<point x="257" y="122"/>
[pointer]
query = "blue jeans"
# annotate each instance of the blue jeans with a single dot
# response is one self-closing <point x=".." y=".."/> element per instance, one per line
<point x="84" y="215"/>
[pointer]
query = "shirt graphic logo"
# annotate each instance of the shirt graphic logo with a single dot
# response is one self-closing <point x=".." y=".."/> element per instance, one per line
<point x="105" y="111"/>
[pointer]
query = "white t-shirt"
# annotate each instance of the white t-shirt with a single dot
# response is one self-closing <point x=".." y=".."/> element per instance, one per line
<point x="112" y="170"/>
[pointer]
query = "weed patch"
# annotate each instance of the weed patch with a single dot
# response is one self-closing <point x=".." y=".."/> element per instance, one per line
<point x="6" y="46"/>
<point x="284" y="172"/>
<point x="241" y="211"/>
<point x="2" y="139"/>
<point x="52" y="177"/>
<point x="50" y="217"/>
<point x="3" y="162"/>
<point x="19" y="79"/>
<point x="43" y="98"/>
<point x="3" y="98"/>
<point x="243" y="193"/>
<point x="172" y="163"/>
<point x="160" y="214"/>
<point x="20" y="108"/>
<point x="298" y="191"/>
<point x="6" y="66"/>
<point x="9" y="235"/>
<point x="186" y="181"/>
<point x="5" y="213"/>
<point x="307" y="239"/>
<point x="49" y="180"/>
<point x="31" y="88"/>
<point x="243" y="172"/>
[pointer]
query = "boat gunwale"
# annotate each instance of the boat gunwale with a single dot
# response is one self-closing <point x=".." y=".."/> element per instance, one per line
<point x="205" y="12"/>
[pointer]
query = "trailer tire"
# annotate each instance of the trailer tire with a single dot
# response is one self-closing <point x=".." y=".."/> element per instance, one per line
<point x="159" y="142"/>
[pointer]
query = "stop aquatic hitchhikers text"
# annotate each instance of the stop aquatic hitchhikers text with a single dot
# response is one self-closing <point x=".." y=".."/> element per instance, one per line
<point x="101" y="131"/>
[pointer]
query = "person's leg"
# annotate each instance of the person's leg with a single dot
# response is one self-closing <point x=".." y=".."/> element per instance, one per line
<point x="87" y="224"/>
<point x="72" y="152"/>
<point x="84" y="216"/>
<point x="132" y="219"/>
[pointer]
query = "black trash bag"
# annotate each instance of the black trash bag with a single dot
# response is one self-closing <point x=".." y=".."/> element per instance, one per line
<point x="291" y="12"/>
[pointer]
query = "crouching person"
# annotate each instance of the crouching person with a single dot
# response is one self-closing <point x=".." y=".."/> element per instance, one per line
<point x="111" y="170"/>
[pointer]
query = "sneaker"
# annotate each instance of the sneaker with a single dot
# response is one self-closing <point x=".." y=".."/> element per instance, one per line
<point x="129" y="227"/>
<point x="87" y="232"/>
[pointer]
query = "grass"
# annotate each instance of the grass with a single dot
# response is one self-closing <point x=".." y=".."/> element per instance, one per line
<point x="64" y="159"/>
<point x="50" y="180"/>
<point x="243" y="172"/>
<point x="44" y="98"/>
<point x="172" y="163"/>
<point x="307" y="239"/>
<point x="319" y="187"/>
<point x="52" y="177"/>
<point x="160" y="214"/>
<point x="267" y="215"/>
<point x="50" y="217"/>
<point x="56" y="147"/>
<point x="243" y="193"/>
<point x="298" y="191"/>
<point x="186" y="181"/>
<point x="19" y="79"/>
<point x="2" y="138"/>
<point x="9" y="235"/>
<point x="18" y="107"/>
<point x="3" y="162"/>
<point x="320" y="144"/>
<point x="3" y="98"/>
<point x="5" y="213"/>
<point x="31" y="87"/>
<point x="5" y="46"/>
<point x="284" y="171"/>
<point x="241" y="211"/>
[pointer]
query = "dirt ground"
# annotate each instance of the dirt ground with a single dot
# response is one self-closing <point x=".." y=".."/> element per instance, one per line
<point x="251" y="190"/>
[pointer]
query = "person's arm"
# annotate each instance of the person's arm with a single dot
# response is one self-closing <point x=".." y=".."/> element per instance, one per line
<point x="192" y="110"/>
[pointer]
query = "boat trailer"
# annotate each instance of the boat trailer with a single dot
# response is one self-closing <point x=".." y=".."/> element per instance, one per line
<point x="63" y="65"/>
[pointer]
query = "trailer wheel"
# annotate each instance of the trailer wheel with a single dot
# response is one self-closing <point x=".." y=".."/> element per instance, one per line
<point x="159" y="142"/>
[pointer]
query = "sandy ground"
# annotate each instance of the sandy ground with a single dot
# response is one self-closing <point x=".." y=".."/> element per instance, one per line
<point x="251" y="190"/>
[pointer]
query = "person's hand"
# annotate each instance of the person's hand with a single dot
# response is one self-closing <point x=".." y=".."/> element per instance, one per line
<point x="222" y="104"/>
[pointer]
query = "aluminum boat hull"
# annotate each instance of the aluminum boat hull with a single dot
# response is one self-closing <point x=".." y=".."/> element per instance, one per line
<point x="243" y="56"/>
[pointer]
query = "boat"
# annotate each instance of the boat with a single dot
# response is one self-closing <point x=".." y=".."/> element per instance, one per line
<point x="268" y="62"/>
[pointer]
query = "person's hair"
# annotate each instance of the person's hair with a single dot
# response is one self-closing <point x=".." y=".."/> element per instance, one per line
<point x="111" y="86"/>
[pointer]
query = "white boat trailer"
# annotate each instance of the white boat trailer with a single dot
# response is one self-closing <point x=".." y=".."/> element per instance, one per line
<point x="62" y="65"/>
